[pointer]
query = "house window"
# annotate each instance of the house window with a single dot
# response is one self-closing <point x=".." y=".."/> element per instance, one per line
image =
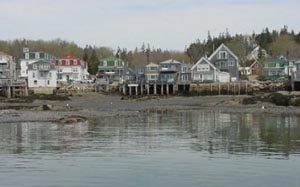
<point x="67" y="62"/>
<point x="222" y="55"/>
<point x="41" y="74"/>
<point x="59" y="63"/>
<point x="33" y="75"/>
<point x="26" y="55"/>
<point x="37" y="55"/>
<point x="153" y="68"/>
<point x="203" y="67"/>
<point x="59" y="76"/>
<point x="34" y="66"/>
<point x="105" y="63"/>
<point x="48" y="82"/>
<point x="60" y="70"/>
<point x="75" y="62"/>
<point x="35" y="82"/>
<point x="277" y="65"/>
<point x="231" y="62"/>
<point x="50" y="75"/>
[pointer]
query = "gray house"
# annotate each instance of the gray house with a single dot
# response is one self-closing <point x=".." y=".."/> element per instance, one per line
<point x="226" y="61"/>
<point x="169" y="70"/>
<point x="204" y="71"/>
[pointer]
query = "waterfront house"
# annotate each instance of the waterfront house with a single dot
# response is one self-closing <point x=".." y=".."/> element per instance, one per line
<point x="7" y="67"/>
<point x="169" y="70"/>
<point x="275" y="68"/>
<point x="185" y="74"/>
<point x="30" y="58"/>
<point x="205" y="71"/>
<point x="111" y="69"/>
<point x="71" y="68"/>
<point x="226" y="61"/>
<point x="140" y="73"/>
<point x="42" y="77"/>
<point x="151" y="72"/>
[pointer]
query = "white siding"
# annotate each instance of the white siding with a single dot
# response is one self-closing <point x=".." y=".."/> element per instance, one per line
<point x="37" y="79"/>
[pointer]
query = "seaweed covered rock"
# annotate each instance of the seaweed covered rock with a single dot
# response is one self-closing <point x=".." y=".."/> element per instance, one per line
<point x="249" y="101"/>
<point x="71" y="119"/>
<point x="280" y="99"/>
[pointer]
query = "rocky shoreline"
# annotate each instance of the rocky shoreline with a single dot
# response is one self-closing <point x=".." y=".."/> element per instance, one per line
<point x="95" y="106"/>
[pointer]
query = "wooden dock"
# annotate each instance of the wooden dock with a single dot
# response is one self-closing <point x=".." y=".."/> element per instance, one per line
<point x="163" y="88"/>
<point x="13" y="89"/>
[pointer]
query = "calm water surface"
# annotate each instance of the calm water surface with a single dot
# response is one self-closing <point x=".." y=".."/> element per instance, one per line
<point x="184" y="148"/>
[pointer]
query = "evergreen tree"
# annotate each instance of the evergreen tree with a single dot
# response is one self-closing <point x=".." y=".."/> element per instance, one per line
<point x="93" y="63"/>
<point x="297" y="38"/>
<point x="85" y="54"/>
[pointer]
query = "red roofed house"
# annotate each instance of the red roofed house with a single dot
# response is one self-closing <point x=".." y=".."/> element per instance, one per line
<point x="71" y="69"/>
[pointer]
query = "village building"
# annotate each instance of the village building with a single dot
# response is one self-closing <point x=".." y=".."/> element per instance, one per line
<point x="151" y="72"/>
<point x="172" y="70"/>
<point x="169" y="71"/>
<point x="278" y="67"/>
<point x="111" y="69"/>
<point x="185" y="74"/>
<point x="32" y="57"/>
<point x="70" y="68"/>
<point x="256" y="53"/>
<point x="252" y="68"/>
<point x="42" y="77"/>
<point x="205" y="71"/>
<point x="226" y="61"/>
<point x="7" y="67"/>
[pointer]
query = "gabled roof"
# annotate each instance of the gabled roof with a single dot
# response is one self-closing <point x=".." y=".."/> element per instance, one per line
<point x="255" y="62"/>
<point x="170" y="61"/>
<point x="226" y="48"/>
<point x="151" y="64"/>
<point x="206" y="60"/>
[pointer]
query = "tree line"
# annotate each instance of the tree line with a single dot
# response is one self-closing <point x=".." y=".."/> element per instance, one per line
<point x="282" y="42"/>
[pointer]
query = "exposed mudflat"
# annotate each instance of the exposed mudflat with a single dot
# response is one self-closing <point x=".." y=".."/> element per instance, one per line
<point x="94" y="105"/>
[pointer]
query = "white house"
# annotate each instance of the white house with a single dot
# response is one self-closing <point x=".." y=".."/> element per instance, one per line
<point x="71" y="69"/>
<point x="205" y="71"/>
<point x="31" y="57"/>
<point x="42" y="77"/>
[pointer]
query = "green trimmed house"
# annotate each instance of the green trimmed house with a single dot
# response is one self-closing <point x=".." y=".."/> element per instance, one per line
<point x="111" y="69"/>
<point x="277" y="67"/>
<point x="32" y="57"/>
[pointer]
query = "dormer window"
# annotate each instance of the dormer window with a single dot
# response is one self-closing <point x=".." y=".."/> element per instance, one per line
<point x="75" y="62"/>
<point x="67" y="62"/>
<point x="222" y="55"/>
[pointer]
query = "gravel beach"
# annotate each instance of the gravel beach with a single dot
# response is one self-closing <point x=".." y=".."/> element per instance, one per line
<point x="94" y="105"/>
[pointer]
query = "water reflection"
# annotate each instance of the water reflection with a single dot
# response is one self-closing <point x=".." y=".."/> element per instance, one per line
<point x="211" y="133"/>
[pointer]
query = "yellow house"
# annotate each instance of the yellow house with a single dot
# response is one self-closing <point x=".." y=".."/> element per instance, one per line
<point x="151" y="71"/>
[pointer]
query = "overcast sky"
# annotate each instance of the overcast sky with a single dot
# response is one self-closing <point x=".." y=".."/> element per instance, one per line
<point x="166" y="24"/>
